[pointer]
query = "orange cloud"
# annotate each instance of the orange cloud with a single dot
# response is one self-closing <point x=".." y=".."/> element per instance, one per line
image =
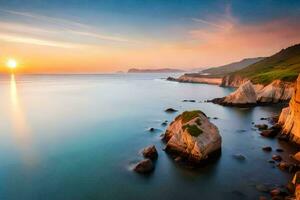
<point x="235" y="41"/>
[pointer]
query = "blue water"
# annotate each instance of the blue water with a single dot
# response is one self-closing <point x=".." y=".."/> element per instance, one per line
<point x="76" y="137"/>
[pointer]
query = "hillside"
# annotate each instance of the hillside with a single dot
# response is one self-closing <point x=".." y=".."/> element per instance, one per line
<point x="284" y="65"/>
<point x="163" y="70"/>
<point x="232" y="67"/>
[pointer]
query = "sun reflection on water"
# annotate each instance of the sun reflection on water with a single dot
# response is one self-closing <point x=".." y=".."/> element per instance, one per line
<point x="21" y="131"/>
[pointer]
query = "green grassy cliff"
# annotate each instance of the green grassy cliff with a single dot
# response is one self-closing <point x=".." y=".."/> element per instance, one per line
<point x="284" y="65"/>
<point x="232" y="67"/>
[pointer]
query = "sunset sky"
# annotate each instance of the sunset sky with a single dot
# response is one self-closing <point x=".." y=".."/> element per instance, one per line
<point x="88" y="36"/>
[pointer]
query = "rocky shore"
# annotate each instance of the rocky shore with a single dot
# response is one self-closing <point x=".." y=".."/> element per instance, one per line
<point x="197" y="78"/>
<point x="249" y="94"/>
<point x="193" y="140"/>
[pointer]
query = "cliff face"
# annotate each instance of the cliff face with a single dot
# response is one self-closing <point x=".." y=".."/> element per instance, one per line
<point x="192" y="137"/>
<point x="193" y="78"/>
<point x="275" y="92"/>
<point x="290" y="116"/>
<point x="245" y="94"/>
<point x="232" y="81"/>
<point x="250" y="94"/>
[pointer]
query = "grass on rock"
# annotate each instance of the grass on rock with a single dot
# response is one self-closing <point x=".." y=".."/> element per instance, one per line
<point x="193" y="130"/>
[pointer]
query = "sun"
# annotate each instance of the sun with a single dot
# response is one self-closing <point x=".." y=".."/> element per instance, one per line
<point x="11" y="63"/>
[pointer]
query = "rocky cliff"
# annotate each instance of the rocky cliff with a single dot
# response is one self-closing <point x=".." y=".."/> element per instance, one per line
<point x="197" y="78"/>
<point x="244" y="95"/>
<point x="192" y="137"/>
<point x="233" y="81"/>
<point x="275" y="92"/>
<point x="254" y="94"/>
<point x="290" y="116"/>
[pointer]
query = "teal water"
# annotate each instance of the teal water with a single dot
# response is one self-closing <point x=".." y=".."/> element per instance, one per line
<point x="76" y="137"/>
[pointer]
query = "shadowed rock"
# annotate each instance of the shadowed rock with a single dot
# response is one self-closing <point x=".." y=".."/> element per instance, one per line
<point x="267" y="148"/>
<point x="144" y="166"/>
<point x="150" y="152"/>
<point x="170" y="110"/>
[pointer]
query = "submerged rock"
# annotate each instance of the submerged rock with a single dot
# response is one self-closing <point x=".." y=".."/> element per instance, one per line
<point x="144" y="166"/>
<point x="150" y="152"/>
<point x="241" y="131"/>
<point x="165" y="123"/>
<point x="170" y="110"/>
<point x="279" y="150"/>
<point x="192" y="137"/>
<point x="267" y="148"/>
<point x="277" y="157"/>
<point x="263" y="187"/>
<point x="151" y="129"/>
<point x="239" y="157"/>
<point x="269" y="133"/>
<point x="261" y="126"/>
<point x="191" y="100"/>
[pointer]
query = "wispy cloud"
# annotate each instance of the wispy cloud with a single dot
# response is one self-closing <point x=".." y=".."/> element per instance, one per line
<point x="101" y="36"/>
<point x="208" y="23"/>
<point x="48" y="19"/>
<point x="22" y="28"/>
<point x="53" y="28"/>
<point x="35" y="41"/>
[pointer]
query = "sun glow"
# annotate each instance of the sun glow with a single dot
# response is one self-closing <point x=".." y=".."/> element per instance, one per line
<point x="11" y="63"/>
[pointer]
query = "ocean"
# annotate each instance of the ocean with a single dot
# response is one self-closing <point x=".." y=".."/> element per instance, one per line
<point x="77" y="137"/>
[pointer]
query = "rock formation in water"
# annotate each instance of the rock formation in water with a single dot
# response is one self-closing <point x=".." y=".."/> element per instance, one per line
<point x="249" y="94"/>
<point x="275" y="92"/>
<point x="244" y="95"/>
<point x="290" y="116"/>
<point x="192" y="137"/>
<point x="144" y="167"/>
<point x="150" y="152"/>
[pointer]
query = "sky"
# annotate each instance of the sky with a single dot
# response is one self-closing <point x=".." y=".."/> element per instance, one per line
<point x="95" y="36"/>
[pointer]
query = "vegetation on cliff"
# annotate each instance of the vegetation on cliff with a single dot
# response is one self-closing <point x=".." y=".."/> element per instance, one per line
<point x="231" y="67"/>
<point x="284" y="65"/>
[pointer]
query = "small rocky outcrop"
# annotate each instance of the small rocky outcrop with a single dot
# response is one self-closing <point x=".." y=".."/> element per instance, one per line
<point x="277" y="157"/>
<point x="170" y="110"/>
<point x="290" y="117"/>
<point x="150" y="152"/>
<point x="192" y="137"/>
<point x="261" y="126"/>
<point x="267" y="148"/>
<point x="144" y="167"/>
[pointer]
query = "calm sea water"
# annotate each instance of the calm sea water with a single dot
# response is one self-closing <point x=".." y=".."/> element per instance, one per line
<point x="76" y="137"/>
